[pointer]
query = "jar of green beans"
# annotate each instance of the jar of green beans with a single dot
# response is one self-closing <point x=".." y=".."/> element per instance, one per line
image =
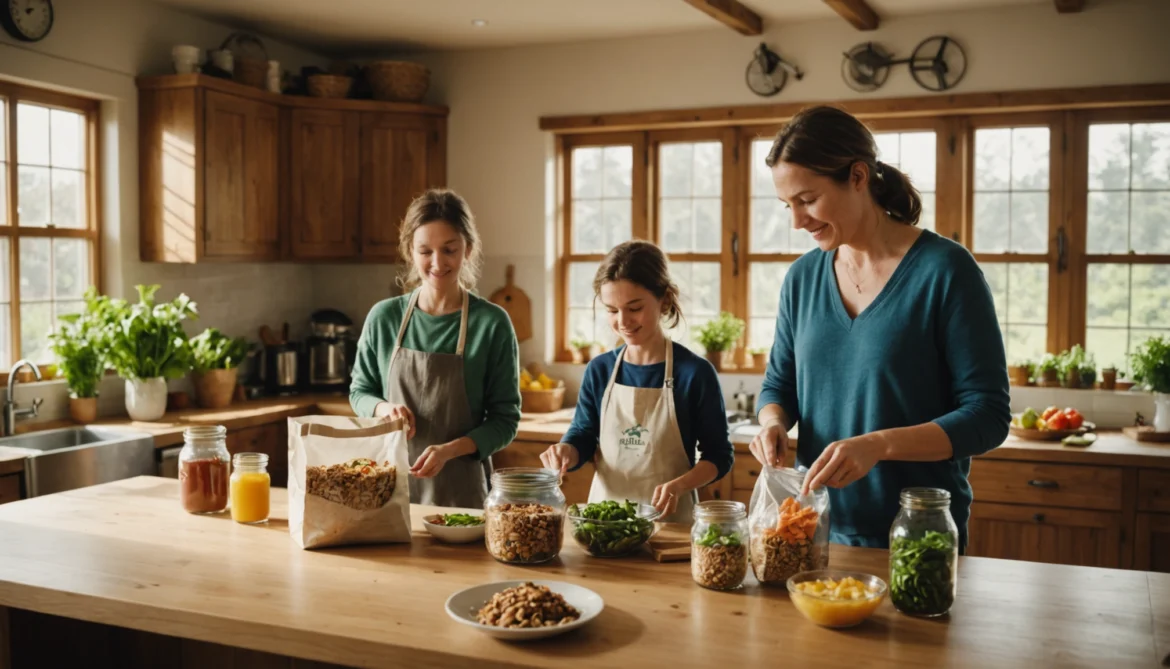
<point x="924" y="553"/>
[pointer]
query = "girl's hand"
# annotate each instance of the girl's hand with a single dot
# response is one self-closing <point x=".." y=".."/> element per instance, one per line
<point x="560" y="458"/>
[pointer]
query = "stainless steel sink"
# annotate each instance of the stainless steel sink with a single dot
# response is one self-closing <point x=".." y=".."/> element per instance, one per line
<point x="76" y="457"/>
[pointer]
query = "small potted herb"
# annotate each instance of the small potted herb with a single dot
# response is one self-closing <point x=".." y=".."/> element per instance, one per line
<point x="1071" y="363"/>
<point x="582" y="350"/>
<point x="1150" y="363"/>
<point x="1049" y="370"/>
<point x="1109" y="378"/>
<point x="1020" y="373"/>
<point x="759" y="356"/>
<point x="717" y="336"/>
<point x="76" y="342"/>
<point x="216" y="359"/>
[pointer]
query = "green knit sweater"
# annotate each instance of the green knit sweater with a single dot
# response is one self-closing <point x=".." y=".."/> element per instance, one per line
<point x="491" y="362"/>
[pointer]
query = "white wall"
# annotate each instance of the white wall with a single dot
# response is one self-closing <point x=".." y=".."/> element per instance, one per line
<point x="96" y="48"/>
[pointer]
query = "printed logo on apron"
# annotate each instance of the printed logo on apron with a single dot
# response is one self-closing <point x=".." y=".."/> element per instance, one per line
<point x="634" y="440"/>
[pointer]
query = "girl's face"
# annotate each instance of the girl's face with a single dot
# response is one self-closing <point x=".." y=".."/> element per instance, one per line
<point x="438" y="253"/>
<point x="634" y="313"/>
<point x="831" y="212"/>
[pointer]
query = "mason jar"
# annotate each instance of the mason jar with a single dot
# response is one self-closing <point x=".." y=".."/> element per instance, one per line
<point x="924" y="553"/>
<point x="204" y="464"/>
<point x="719" y="544"/>
<point x="524" y="515"/>
<point x="251" y="488"/>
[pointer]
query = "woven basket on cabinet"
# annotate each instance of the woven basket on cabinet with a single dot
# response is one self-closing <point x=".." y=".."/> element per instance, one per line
<point x="329" y="85"/>
<point x="398" y="81"/>
<point x="250" y="71"/>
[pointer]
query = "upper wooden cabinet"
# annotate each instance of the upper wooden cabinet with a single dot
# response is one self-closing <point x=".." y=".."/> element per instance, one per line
<point x="229" y="172"/>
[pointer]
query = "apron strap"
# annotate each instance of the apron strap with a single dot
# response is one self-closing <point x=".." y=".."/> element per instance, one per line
<point x="669" y="380"/>
<point x="405" y="319"/>
<point x="462" y="326"/>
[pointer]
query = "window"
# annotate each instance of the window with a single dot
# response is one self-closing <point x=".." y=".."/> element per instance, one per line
<point x="48" y="227"/>
<point x="772" y="246"/>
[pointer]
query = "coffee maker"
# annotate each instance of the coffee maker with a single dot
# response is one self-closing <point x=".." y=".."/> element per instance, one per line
<point x="331" y="349"/>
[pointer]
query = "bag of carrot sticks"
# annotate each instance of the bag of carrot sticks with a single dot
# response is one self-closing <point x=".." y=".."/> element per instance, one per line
<point x="789" y="532"/>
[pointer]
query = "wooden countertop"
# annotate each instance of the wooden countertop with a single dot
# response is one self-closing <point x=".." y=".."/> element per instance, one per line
<point x="125" y="554"/>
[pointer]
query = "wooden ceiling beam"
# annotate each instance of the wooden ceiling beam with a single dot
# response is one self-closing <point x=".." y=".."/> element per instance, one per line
<point x="732" y="14"/>
<point x="1069" y="6"/>
<point x="857" y="12"/>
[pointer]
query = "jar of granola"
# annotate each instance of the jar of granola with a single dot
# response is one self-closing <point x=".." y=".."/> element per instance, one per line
<point x="719" y="544"/>
<point x="524" y="515"/>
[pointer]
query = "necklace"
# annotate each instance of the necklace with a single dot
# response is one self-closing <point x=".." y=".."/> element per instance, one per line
<point x="852" y="278"/>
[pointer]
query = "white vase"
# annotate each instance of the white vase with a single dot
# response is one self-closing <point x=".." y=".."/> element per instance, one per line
<point x="146" y="399"/>
<point x="1162" y="412"/>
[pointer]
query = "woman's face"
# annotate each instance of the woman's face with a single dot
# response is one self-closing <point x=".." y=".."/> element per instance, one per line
<point x="438" y="253"/>
<point x="634" y="313"/>
<point x="829" y="211"/>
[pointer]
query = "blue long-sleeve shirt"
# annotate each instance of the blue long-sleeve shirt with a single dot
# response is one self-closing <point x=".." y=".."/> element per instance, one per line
<point x="928" y="349"/>
<point x="698" y="403"/>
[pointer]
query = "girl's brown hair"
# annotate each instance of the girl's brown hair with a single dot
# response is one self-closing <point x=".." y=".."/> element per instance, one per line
<point x="643" y="264"/>
<point x="439" y="204"/>
<point x="829" y="141"/>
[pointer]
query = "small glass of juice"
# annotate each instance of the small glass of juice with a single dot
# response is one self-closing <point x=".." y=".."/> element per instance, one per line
<point x="250" y="488"/>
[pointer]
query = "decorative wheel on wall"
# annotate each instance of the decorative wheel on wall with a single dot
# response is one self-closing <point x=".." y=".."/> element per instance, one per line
<point x="768" y="72"/>
<point x="937" y="64"/>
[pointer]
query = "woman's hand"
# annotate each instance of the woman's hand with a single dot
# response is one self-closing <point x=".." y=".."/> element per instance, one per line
<point x="844" y="462"/>
<point x="560" y="458"/>
<point x="394" y="412"/>
<point x="770" y="444"/>
<point x="430" y="462"/>
<point x="666" y="496"/>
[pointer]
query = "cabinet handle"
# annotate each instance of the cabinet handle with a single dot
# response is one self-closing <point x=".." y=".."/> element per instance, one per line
<point x="717" y="495"/>
<point x="752" y="472"/>
<point x="1038" y="517"/>
<point x="1037" y="483"/>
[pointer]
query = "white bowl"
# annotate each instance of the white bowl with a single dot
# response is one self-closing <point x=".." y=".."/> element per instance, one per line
<point x="453" y="534"/>
<point x="464" y="607"/>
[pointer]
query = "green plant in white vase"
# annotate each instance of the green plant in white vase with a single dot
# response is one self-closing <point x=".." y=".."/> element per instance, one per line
<point x="1150" y="366"/>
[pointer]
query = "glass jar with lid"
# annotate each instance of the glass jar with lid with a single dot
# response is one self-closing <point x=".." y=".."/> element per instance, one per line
<point x="204" y="463"/>
<point x="719" y="544"/>
<point x="924" y="553"/>
<point x="524" y="515"/>
<point x="251" y="488"/>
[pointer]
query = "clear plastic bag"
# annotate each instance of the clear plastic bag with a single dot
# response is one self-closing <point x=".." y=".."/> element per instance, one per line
<point x="789" y="532"/>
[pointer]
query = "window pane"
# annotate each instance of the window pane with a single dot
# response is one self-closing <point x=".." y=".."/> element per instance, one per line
<point x="690" y="205"/>
<point x="618" y="226"/>
<point x="698" y="284"/>
<point x="3" y="188"/>
<point x="914" y="154"/>
<point x="1107" y="296"/>
<point x="68" y="199"/>
<point x="36" y="320"/>
<point x="1126" y="304"/>
<point x="588" y="237"/>
<point x="32" y="146"/>
<point x="581" y="284"/>
<point x="587" y="318"/>
<point x="66" y="308"/>
<point x="35" y="270"/>
<point x="992" y="217"/>
<point x="1129" y="188"/>
<point x="68" y="139"/>
<point x="1109" y="157"/>
<point x="677" y="224"/>
<point x="1150" y="221"/>
<point x="70" y="268"/>
<point x="1108" y="346"/>
<point x="708" y="170"/>
<point x="1029" y="217"/>
<point x="5" y="294"/>
<point x="1020" y="291"/>
<point x="1030" y="158"/>
<point x="1151" y="296"/>
<point x="3" y="130"/>
<point x="762" y="185"/>
<point x="33" y="197"/>
<point x="5" y="336"/>
<point x="1011" y="190"/>
<point x="586" y="173"/>
<point x="928" y="218"/>
<point x="1151" y="155"/>
<point x="708" y="225"/>
<point x="993" y="159"/>
<point x="1108" y="222"/>
<point x="602" y="208"/>
<point x="618" y="171"/>
<point x="771" y="225"/>
<point x="674" y="163"/>
<point x="764" y="283"/>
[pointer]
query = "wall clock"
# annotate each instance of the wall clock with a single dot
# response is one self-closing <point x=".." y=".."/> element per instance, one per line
<point x="27" y="20"/>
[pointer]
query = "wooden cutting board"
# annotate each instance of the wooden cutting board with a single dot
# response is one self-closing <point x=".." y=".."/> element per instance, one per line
<point x="1146" y="433"/>
<point x="516" y="303"/>
<point x="672" y="543"/>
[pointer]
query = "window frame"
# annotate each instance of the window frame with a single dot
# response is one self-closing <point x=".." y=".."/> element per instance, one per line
<point x="1066" y="112"/>
<point x="11" y="95"/>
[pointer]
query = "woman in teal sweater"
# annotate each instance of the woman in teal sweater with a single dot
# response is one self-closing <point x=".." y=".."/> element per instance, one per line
<point x="441" y="358"/>
<point x="887" y="351"/>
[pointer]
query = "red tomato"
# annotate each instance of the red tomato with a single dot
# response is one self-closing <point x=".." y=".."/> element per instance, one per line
<point x="1058" y="421"/>
<point x="1075" y="419"/>
<point x="1049" y="413"/>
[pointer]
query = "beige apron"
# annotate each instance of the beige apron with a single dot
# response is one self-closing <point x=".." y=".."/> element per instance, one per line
<point x="432" y="386"/>
<point x="641" y="446"/>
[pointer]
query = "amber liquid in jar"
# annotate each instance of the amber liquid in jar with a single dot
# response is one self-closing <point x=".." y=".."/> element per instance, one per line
<point x="204" y="470"/>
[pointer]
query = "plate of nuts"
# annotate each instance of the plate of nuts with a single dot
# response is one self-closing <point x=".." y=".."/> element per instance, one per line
<point x="525" y="610"/>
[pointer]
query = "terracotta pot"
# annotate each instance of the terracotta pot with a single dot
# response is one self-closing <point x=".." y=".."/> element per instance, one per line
<point x="1072" y="379"/>
<point x="83" y="409"/>
<point x="1050" y="378"/>
<point x="577" y="357"/>
<point x="760" y="360"/>
<point x="214" y="388"/>
<point x="1108" y="379"/>
<point x="1019" y="375"/>
<point x="586" y="353"/>
<point x="716" y="359"/>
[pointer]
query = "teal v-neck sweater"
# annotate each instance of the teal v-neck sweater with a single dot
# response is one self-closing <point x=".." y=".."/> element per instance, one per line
<point x="928" y="349"/>
<point x="491" y="362"/>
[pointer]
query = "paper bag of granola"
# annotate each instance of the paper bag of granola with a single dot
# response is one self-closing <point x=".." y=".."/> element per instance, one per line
<point x="347" y="481"/>
<point x="789" y="532"/>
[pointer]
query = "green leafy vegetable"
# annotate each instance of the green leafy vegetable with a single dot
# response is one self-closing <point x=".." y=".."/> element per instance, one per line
<point x="145" y="340"/>
<point x="1151" y="364"/>
<point x="460" y="520"/>
<point x="719" y="333"/>
<point x="609" y="528"/>
<point x="77" y="344"/>
<point x="717" y="536"/>
<point x="922" y="573"/>
<point x="211" y="349"/>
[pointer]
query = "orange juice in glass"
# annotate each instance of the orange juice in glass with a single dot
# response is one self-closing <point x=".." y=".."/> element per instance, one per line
<point x="250" y="488"/>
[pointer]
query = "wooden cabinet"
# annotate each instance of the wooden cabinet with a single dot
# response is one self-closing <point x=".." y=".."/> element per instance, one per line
<point x="323" y="184"/>
<point x="1075" y="486"/>
<point x="1039" y="534"/>
<point x="271" y="440"/>
<point x="230" y="172"/>
<point x="9" y="488"/>
<point x="1152" y="543"/>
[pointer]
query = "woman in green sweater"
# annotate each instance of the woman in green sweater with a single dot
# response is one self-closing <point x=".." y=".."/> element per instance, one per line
<point x="441" y="358"/>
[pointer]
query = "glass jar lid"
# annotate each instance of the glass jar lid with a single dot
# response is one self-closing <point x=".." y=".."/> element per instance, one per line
<point x="525" y="479"/>
<point x="250" y="460"/>
<point x="204" y="432"/>
<point x="716" y="510"/>
<point x="918" y="499"/>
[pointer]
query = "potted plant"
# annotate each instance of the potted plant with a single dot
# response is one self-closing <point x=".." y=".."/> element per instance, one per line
<point x="146" y="345"/>
<point x="216" y="358"/>
<point x="76" y="342"/>
<point x="1088" y="372"/>
<point x="1071" y="362"/>
<point x="1150" y="364"/>
<point x="1109" y="378"/>
<point x="582" y="350"/>
<point x="717" y="335"/>
<point x="1020" y="373"/>
<point x="1049" y="370"/>
<point x="759" y="356"/>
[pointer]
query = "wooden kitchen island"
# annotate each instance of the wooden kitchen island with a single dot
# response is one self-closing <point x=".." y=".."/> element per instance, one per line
<point x="118" y="575"/>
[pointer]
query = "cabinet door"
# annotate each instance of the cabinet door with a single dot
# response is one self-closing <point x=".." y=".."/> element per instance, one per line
<point x="1045" y="534"/>
<point x="323" y="211"/>
<point x="1152" y="544"/>
<point x="240" y="194"/>
<point x="9" y="488"/>
<point x="271" y="440"/>
<point x="399" y="162"/>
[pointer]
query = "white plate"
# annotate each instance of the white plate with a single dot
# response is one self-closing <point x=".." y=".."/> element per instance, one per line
<point x="464" y="606"/>
<point x="454" y="534"/>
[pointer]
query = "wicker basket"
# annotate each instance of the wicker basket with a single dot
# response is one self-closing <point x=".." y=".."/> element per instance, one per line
<point x="542" y="401"/>
<point x="251" y="72"/>
<point x="398" y="81"/>
<point x="329" y="85"/>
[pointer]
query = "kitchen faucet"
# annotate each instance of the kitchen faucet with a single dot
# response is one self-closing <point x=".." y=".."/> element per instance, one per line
<point x="11" y="413"/>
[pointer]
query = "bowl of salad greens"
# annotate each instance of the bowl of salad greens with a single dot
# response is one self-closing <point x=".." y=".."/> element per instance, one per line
<point x="611" y="528"/>
<point x="455" y="528"/>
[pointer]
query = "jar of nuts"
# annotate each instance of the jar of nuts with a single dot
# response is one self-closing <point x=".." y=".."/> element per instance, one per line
<point x="719" y="545"/>
<point x="524" y="515"/>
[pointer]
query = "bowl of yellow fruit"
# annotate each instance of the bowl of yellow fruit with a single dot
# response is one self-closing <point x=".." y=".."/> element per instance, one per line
<point x="836" y="598"/>
<point x="540" y="394"/>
